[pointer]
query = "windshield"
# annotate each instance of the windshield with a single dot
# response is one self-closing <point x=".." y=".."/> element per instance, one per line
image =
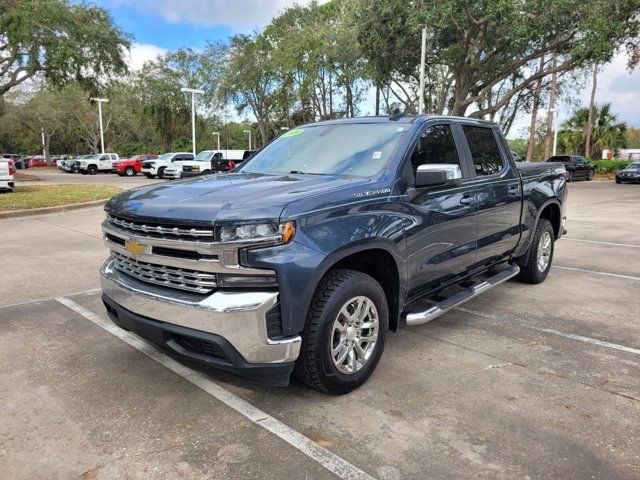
<point x="634" y="165"/>
<point x="204" y="156"/>
<point x="348" y="149"/>
<point x="166" y="156"/>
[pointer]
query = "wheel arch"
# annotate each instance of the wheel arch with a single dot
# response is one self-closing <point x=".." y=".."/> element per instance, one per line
<point x="553" y="212"/>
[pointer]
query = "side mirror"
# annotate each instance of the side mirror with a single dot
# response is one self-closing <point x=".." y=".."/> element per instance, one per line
<point x="438" y="174"/>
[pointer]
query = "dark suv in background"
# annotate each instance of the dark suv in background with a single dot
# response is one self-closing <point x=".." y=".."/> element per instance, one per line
<point x="578" y="168"/>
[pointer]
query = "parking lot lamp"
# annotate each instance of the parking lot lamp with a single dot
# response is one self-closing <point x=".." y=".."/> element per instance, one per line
<point x="217" y="134"/>
<point x="423" y="53"/>
<point x="249" y="132"/>
<point x="193" y="92"/>
<point x="555" y="130"/>
<point x="100" y="101"/>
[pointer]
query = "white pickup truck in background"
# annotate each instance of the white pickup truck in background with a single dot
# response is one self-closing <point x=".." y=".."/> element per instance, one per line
<point x="100" y="162"/>
<point x="7" y="169"/>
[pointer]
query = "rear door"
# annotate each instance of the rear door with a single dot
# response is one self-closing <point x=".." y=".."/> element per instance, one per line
<point x="441" y="243"/>
<point x="498" y="192"/>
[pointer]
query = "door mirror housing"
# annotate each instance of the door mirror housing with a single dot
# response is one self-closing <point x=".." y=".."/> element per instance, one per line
<point x="438" y="174"/>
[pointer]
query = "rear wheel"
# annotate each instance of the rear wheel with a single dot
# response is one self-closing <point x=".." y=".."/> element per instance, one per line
<point x="536" y="264"/>
<point x="569" y="176"/>
<point x="129" y="172"/>
<point x="345" y="331"/>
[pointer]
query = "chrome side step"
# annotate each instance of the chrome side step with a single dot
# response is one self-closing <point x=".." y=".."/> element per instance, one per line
<point x="418" y="318"/>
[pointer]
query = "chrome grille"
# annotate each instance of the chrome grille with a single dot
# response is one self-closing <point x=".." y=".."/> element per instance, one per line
<point x="171" y="277"/>
<point x="163" y="231"/>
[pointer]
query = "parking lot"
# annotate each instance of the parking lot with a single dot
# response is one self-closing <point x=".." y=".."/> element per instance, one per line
<point x="523" y="382"/>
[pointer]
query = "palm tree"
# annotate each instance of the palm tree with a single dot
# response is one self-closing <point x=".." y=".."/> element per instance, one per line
<point x="608" y="132"/>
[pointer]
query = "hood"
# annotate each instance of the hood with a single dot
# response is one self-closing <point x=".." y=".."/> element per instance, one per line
<point x="630" y="170"/>
<point x="224" y="198"/>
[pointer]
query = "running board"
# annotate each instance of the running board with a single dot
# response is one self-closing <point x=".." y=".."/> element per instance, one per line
<point x="418" y="318"/>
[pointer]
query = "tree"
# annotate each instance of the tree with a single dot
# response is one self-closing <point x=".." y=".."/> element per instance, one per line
<point x="607" y="133"/>
<point x="482" y="49"/>
<point x="59" y="40"/>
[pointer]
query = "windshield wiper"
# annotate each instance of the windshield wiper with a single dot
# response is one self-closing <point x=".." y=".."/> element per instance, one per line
<point x="300" y="172"/>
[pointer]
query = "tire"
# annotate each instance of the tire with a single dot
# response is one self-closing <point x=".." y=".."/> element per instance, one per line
<point x="206" y="172"/>
<point x="161" y="173"/>
<point x="569" y="176"/>
<point x="618" y="180"/>
<point x="590" y="175"/>
<point x="129" y="172"/>
<point x="531" y="270"/>
<point x="341" y="290"/>
<point x="92" y="170"/>
<point x="149" y="176"/>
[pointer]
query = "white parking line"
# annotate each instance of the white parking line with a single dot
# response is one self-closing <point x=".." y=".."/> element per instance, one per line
<point x="596" y="272"/>
<point x="572" y="336"/>
<point x="30" y="302"/>
<point x="324" y="457"/>
<point x="597" y="242"/>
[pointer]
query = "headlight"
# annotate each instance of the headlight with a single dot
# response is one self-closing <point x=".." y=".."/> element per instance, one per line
<point x="261" y="232"/>
<point x="83" y="164"/>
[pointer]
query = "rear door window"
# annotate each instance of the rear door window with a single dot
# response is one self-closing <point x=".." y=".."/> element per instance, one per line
<point x="485" y="152"/>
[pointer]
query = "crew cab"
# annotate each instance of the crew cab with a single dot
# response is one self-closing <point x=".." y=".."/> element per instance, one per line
<point x="7" y="171"/>
<point x="156" y="168"/>
<point x="307" y="255"/>
<point x="578" y="168"/>
<point x="128" y="167"/>
<point x="100" y="162"/>
<point x="226" y="160"/>
<point x="200" y="165"/>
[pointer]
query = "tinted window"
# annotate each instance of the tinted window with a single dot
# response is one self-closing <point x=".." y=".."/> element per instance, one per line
<point x="484" y="150"/>
<point x="436" y="145"/>
<point x="104" y="157"/>
<point x="559" y="158"/>
<point x="326" y="149"/>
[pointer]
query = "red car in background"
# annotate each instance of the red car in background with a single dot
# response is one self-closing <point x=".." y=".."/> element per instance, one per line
<point x="37" y="162"/>
<point x="130" y="166"/>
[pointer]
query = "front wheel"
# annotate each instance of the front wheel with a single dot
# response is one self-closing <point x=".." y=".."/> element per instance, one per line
<point x="161" y="173"/>
<point x="618" y="180"/>
<point x="149" y="176"/>
<point x="344" y="334"/>
<point x="535" y="265"/>
<point x="206" y="172"/>
<point x="569" y="176"/>
<point x="129" y="172"/>
<point x="590" y="175"/>
<point x="92" y="170"/>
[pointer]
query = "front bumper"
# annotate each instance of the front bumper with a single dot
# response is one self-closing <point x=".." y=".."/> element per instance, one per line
<point x="172" y="174"/>
<point x="150" y="171"/>
<point x="232" y="324"/>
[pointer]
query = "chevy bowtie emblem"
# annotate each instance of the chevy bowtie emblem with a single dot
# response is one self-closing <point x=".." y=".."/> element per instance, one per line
<point x="134" y="247"/>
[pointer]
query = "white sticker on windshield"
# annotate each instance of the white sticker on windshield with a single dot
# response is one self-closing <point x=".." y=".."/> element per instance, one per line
<point x="377" y="155"/>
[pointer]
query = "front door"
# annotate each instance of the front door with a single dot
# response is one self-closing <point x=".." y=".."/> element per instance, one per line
<point x="441" y="240"/>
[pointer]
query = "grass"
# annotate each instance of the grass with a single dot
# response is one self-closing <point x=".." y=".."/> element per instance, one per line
<point x="609" y="167"/>
<point x="38" y="196"/>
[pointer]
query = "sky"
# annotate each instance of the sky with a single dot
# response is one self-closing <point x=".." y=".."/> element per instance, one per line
<point x="158" y="26"/>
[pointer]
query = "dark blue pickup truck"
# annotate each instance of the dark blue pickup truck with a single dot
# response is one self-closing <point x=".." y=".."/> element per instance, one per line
<point x="302" y="259"/>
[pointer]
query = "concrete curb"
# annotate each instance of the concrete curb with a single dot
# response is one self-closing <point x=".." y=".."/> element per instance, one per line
<point x="58" y="208"/>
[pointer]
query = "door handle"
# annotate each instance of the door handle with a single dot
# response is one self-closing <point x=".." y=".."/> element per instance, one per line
<point x="466" y="200"/>
<point x="513" y="190"/>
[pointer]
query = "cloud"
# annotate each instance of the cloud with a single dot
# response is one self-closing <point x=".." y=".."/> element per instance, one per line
<point x="239" y="15"/>
<point x="141" y="53"/>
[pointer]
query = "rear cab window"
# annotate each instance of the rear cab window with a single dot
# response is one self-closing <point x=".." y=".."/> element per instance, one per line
<point x="487" y="159"/>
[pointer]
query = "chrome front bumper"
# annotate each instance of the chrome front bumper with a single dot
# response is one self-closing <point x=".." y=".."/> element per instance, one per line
<point x="238" y="317"/>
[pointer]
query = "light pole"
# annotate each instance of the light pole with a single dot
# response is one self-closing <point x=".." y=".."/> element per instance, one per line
<point x="555" y="130"/>
<point x="249" y="132"/>
<point x="193" y="92"/>
<point x="100" y="101"/>
<point x="217" y="134"/>
<point x="423" y="53"/>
